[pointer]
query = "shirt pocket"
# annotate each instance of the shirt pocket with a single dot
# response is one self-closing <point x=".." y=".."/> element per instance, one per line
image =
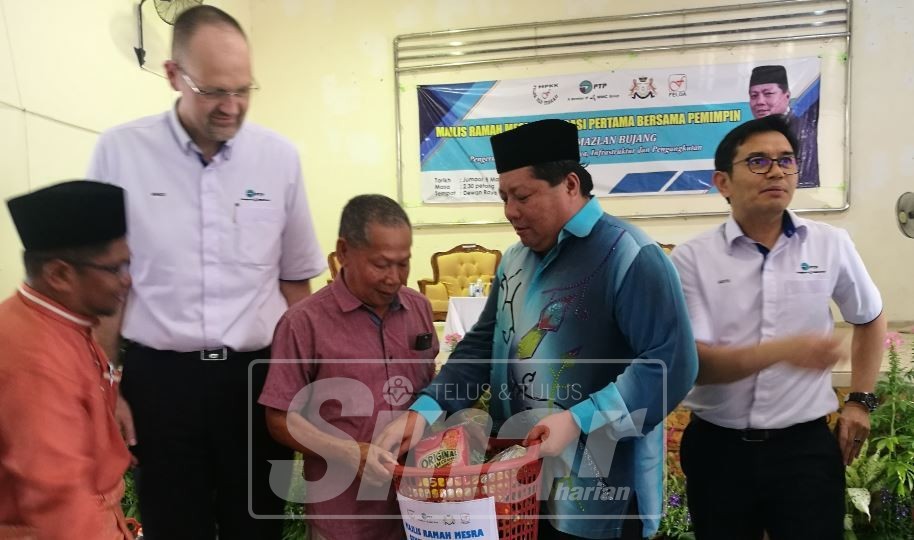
<point x="427" y="354"/>
<point x="805" y="305"/>
<point x="258" y="234"/>
<point x="415" y="340"/>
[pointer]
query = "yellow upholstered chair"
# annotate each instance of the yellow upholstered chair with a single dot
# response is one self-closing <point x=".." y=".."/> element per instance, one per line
<point x="667" y="248"/>
<point x="334" y="265"/>
<point x="454" y="270"/>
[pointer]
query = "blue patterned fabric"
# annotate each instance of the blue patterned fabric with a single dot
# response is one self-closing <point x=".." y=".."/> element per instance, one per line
<point x="598" y="326"/>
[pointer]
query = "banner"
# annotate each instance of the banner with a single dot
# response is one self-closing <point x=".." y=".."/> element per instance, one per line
<point x="642" y="132"/>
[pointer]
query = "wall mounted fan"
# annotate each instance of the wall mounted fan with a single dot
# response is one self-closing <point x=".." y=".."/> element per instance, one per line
<point x="904" y="212"/>
<point x="168" y="11"/>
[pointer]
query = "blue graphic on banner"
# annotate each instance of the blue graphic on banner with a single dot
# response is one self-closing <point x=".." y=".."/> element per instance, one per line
<point x="643" y="182"/>
<point x="803" y="119"/>
<point x="808" y="99"/>
<point x="665" y="182"/>
<point x="637" y="135"/>
<point x="445" y="106"/>
<point x="693" y="181"/>
<point x="644" y="131"/>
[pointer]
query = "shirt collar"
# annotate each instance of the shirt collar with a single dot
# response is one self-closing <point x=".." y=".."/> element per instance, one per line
<point x="583" y="221"/>
<point x="791" y="225"/>
<point x="43" y="303"/>
<point x="348" y="302"/>
<point x="186" y="144"/>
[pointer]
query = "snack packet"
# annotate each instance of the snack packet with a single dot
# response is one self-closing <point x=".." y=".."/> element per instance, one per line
<point x="447" y="448"/>
<point x="478" y="425"/>
<point x="511" y="452"/>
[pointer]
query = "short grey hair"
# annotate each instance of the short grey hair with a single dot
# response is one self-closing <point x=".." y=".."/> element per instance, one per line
<point x="364" y="209"/>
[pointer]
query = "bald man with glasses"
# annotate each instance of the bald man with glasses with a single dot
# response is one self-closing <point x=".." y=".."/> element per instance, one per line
<point x="223" y="243"/>
<point x="758" y="289"/>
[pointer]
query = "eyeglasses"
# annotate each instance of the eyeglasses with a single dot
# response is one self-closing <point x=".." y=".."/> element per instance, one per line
<point x="217" y="94"/>
<point x="763" y="164"/>
<point x="120" y="269"/>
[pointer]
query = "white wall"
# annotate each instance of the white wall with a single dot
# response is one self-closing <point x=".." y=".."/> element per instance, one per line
<point x="327" y="75"/>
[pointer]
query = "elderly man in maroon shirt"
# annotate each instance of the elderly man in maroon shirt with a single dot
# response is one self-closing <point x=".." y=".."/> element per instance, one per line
<point x="364" y="344"/>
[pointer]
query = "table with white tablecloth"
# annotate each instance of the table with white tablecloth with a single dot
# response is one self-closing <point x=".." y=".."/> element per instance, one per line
<point x="462" y="314"/>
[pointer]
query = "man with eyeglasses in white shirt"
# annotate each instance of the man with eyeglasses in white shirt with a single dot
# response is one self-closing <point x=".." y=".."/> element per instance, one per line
<point x="758" y="289"/>
<point x="223" y="243"/>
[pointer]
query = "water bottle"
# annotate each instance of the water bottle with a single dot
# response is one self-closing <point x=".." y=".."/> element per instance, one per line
<point x="479" y="287"/>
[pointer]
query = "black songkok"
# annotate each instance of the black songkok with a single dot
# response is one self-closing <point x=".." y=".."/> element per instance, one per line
<point x="768" y="75"/>
<point x="538" y="142"/>
<point x="77" y="213"/>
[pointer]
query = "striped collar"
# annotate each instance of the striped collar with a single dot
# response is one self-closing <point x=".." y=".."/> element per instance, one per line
<point x="36" y="298"/>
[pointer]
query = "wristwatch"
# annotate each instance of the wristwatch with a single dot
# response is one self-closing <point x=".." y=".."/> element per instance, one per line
<point x="867" y="399"/>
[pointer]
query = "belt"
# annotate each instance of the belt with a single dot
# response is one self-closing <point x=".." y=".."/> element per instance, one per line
<point x="222" y="353"/>
<point x="757" y="435"/>
<point x="216" y="354"/>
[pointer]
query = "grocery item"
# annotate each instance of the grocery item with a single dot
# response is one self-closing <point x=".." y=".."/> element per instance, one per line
<point x="512" y="452"/>
<point x="444" y="449"/>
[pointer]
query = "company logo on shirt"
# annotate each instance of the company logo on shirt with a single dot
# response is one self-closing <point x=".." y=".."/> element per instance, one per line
<point x="806" y="268"/>
<point x="254" y="195"/>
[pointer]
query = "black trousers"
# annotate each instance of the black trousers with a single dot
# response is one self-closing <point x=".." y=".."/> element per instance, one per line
<point x="787" y="482"/>
<point x="192" y="418"/>
<point x="631" y="529"/>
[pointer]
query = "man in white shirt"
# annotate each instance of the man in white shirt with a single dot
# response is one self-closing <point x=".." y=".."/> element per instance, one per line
<point x="222" y="243"/>
<point x="758" y="454"/>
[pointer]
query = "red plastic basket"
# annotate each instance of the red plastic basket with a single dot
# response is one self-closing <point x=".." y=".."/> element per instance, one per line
<point x="515" y="484"/>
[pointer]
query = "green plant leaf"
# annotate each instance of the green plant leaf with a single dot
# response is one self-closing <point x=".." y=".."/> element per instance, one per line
<point x="860" y="497"/>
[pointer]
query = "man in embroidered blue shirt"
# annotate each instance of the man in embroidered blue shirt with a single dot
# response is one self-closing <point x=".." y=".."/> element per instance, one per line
<point x="585" y="341"/>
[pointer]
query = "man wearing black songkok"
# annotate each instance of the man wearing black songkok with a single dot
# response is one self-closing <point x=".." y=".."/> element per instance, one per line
<point x="580" y="287"/>
<point x="769" y="93"/>
<point x="62" y="455"/>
